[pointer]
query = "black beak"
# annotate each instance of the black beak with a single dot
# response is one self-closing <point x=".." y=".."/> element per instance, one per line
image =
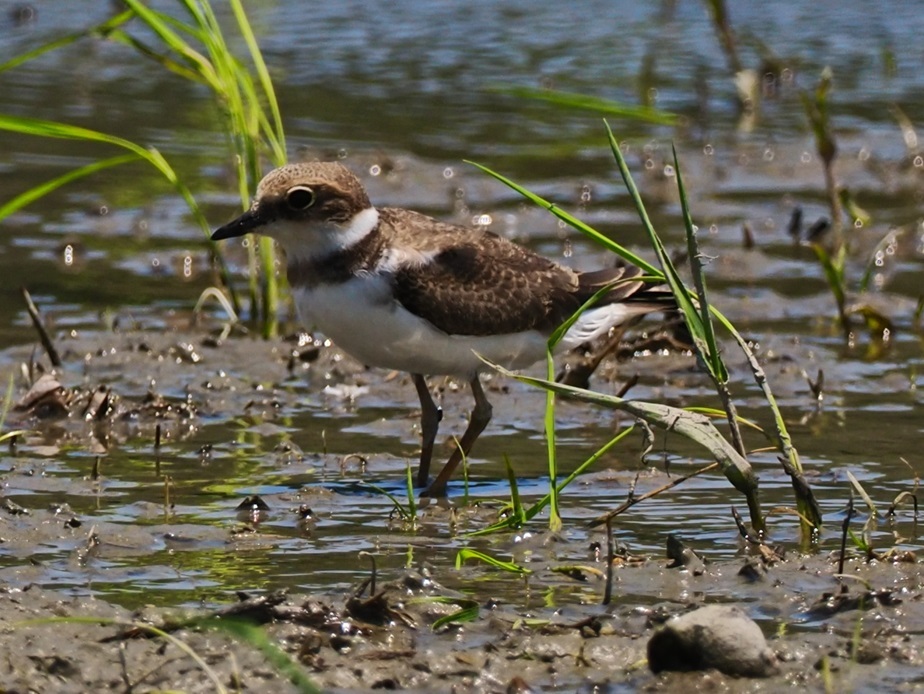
<point x="247" y="222"/>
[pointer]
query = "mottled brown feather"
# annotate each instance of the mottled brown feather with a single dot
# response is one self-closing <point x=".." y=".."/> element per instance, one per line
<point x="481" y="284"/>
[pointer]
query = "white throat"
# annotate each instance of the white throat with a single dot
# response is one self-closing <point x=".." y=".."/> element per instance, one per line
<point x="309" y="241"/>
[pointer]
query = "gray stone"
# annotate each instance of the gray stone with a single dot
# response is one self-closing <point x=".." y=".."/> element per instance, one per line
<point x="715" y="636"/>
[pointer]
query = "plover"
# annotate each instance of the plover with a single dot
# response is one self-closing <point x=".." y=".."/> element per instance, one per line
<point x="399" y="290"/>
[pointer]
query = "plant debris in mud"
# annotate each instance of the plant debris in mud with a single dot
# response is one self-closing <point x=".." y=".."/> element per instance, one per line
<point x="391" y="638"/>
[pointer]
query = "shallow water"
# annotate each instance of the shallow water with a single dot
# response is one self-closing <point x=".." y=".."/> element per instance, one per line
<point x="407" y="92"/>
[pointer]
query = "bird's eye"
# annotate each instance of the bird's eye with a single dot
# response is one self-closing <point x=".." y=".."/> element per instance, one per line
<point x="300" y="198"/>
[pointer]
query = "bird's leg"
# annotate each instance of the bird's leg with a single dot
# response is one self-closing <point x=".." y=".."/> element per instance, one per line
<point x="480" y="417"/>
<point x="430" y="416"/>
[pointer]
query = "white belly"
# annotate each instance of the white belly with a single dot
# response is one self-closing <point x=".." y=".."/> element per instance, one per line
<point x="362" y="318"/>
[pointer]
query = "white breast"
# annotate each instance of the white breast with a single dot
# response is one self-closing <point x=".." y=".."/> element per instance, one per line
<point x="364" y="320"/>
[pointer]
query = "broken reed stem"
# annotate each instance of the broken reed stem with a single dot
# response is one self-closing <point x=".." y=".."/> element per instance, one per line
<point x="731" y="414"/>
<point x="722" y="25"/>
<point x="40" y="328"/>
<point x="610" y="551"/>
<point x="629" y="503"/>
<point x="844" y="528"/>
<point x="792" y="465"/>
<point x="157" y="437"/>
<point x="368" y="582"/>
<point x="743" y="530"/>
<point x="834" y="201"/>
<point x="168" y="482"/>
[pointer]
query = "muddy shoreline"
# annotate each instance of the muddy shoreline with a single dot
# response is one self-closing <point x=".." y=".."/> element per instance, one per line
<point x="349" y="643"/>
<point x="555" y="636"/>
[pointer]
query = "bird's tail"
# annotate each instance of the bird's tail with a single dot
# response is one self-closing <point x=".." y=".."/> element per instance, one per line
<point x="627" y="299"/>
<point x="626" y="288"/>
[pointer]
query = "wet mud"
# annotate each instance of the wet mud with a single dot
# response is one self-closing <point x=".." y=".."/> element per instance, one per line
<point x="356" y="642"/>
<point x="76" y="616"/>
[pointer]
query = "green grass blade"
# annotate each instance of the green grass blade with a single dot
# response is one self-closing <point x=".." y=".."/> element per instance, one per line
<point x="693" y="426"/>
<point x="518" y="513"/>
<point x="42" y="128"/>
<point x="469" y="613"/>
<point x="6" y="435"/>
<point x="7" y="401"/>
<point x="5" y="410"/>
<point x="161" y="25"/>
<point x="164" y="61"/>
<point x="712" y="353"/>
<point x="248" y="128"/>
<point x="411" y="501"/>
<point x="579" y="470"/>
<point x="194" y="49"/>
<point x="785" y="442"/>
<point x="514" y="523"/>
<point x="510" y="523"/>
<point x="716" y="413"/>
<point x="399" y="507"/>
<point x="511" y="567"/>
<point x="53" y="129"/>
<point x="681" y="294"/>
<point x="574" y="222"/>
<point x="708" y="349"/>
<point x="270" y="288"/>
<point x="806" y="503"/>
<point x="102" y="29"/>
<point x="591" y="103"/>
<point x="551" y="448"/>
<point x="833" y="268"/>
<point x="47" y="187"/>
<point x="278" y="140"/>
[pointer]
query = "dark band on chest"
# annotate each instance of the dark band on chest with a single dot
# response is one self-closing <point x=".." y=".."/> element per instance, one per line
<point x="338" y="267"/>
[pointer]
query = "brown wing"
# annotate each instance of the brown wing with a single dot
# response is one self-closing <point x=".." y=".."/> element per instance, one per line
<point x="485" y="285"/>
<point x="481" y="284"/>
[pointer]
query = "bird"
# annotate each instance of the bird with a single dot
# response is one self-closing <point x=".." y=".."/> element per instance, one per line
<point x="400" y="290"/>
